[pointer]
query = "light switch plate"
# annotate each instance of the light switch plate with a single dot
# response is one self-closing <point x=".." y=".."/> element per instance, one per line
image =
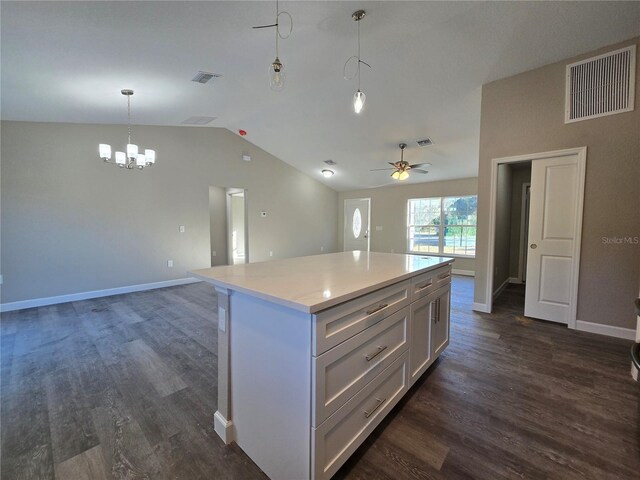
<point x="170" y="263"/>
<point x="181" y="228"/>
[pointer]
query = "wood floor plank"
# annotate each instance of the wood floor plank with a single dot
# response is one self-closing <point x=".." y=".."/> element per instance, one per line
<point x="163" y="378"/>
<point x="89" y="465"/>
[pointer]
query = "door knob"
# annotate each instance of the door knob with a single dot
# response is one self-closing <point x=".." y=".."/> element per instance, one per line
<point x="534" y="246"/>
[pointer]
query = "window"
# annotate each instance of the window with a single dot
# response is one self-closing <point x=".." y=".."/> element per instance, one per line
<point x="444" y="225"/>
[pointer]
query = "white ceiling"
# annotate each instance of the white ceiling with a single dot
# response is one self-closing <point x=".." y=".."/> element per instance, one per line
<point x="68" y="61"/>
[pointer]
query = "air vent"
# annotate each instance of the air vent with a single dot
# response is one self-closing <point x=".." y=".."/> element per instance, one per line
<point x="602" y="85"/>
<point x="330" y="162"/>
<point x="425" y="143"/>
<point x="204" y="77"/>
<point x="198" y="120"/>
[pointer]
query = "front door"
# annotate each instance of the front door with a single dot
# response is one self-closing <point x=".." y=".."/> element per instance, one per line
<point x="554" y="226"/>
<point x="356" y="224"/>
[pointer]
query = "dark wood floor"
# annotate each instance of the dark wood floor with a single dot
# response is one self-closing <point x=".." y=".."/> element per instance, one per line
<point x="125" y="387"/>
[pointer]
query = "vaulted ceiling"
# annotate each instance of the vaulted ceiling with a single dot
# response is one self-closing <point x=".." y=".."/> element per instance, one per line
<point x="68" y="61"/>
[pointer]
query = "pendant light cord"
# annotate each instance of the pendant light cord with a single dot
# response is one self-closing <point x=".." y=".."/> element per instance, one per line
<point x="277" y="29"/>
<point x="358" y="22"/>
<point x="129" y="116"/>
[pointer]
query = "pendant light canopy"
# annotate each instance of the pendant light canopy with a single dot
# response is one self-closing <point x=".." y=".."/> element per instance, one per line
<point x="132" y="158"/>
<point x="359" y="97"/>
<point x="277" y="70"/>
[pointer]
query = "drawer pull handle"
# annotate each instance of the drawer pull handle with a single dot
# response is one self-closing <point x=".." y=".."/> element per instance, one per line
<point x="377" y="309"/>
<point x="442" y="276"/>
<point x="371" y="356"/>
<point x="425" y="285"/>
<point x="370" y="412"/>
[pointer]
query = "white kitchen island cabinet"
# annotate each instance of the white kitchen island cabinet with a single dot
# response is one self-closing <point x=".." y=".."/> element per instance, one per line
<point x="314" y="352"/>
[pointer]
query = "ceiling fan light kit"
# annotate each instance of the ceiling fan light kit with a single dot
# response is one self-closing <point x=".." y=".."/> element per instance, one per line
<point x="132" y="158"/>
<point x="402" y="168"/>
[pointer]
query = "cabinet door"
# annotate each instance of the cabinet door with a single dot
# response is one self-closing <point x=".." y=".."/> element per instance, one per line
<point x="420" y="332"/>
<point x="440" y="320"/>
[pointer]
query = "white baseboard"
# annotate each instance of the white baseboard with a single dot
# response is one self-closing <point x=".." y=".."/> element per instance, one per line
<point x="480" y="307"/>
<point x="500" y="288"/>
<point x="223" y="427"/>
<point x="515" y="280"/>
<point x="466" y="273"/>
<point x="619" y="332"/>
<point x="74" y="297"/>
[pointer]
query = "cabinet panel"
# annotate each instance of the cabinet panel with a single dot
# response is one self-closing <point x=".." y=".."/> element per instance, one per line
<point x="337" y="324"/>
<point x="342" y="371"/>
<point x="420" y="336"/>
<point x="440" y="320"/>
<point x="426" y="283"/>
<point x="339" y="436"/>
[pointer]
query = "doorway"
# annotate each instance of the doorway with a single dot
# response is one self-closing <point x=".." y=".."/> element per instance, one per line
<point x="549" y="263"/>
<point x="228" y="226"/>
<point x="356" y="224"/>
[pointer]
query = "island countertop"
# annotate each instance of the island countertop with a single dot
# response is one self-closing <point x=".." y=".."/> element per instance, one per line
<point x="313" y="283"/>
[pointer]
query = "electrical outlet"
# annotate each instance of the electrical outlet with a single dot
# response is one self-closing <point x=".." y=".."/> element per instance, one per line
<point x="181" y="228"/>
<point x="322" y="249"/>
<point x="170" y="263"/>
<point x="271" y="254"/>
<point x="213" y="254"/>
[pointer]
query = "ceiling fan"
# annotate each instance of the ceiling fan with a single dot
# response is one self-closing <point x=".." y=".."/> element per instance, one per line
<point x="401" y="168"/>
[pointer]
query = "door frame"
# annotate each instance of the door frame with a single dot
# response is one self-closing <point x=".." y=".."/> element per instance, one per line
<point x="581" y="152"/>
<point x="229" y="192"/>
<point x="344" y="221"/>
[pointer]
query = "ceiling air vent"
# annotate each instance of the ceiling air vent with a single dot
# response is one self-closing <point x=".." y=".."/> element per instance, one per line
<point x="204" y="77"/>
<point x="198" y="120"/>
<point x="602" y="85"/>
<point x="330" y="162"/>
<point x="425" y="143"/>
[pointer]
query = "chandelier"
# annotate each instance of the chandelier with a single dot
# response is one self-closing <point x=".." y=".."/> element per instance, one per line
<point x="131" y="158"/>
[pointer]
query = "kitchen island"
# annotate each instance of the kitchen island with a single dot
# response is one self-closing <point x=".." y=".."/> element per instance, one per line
<point x="313" y="352"/>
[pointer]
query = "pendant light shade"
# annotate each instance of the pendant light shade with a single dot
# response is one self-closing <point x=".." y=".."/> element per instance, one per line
<point x="132" y="151"/>
<point x="277" y="75"/>
<point x="105" y="151"/>
<point x="358" y="101"/>
<point x="403" y="175"/>
<point x="395" y="175"/>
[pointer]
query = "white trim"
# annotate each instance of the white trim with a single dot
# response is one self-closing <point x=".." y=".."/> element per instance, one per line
<point x="480" y="307"/>
<point x="499" y="290"/>
<point x="74" y="297"/>
<point x="466" y="273"/>
<point x="223" y="427"/>
<point x="515" y="280"/>
<point x="581" y="152"/>
<point x="599" y="328"/>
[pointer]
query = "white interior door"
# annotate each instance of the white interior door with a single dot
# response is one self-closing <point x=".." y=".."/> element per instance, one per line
<point x="356" y="224"/>
<point x="555" y="223"/>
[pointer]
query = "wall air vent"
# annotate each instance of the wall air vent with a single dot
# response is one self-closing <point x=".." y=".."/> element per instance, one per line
<point x="330" y="162"/>
<point x="204" y="77"/>
<point x="198" y="120"/>
<point x="426" y="142"/>
<point x="602" y="85"/>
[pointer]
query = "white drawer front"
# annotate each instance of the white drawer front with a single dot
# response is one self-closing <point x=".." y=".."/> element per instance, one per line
<point x="337" y="324"/>
<point x="426" y="283"/>
<point x="343" y="432"/>
<point x="342" y="371"/>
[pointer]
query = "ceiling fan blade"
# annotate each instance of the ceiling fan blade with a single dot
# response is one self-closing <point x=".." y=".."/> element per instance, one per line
<point x="420" y="165"/>
<point x="417" y="170"/>
<point x="267" y="26"/>
<point x="392" y="164"/>
<point x="380" y="169"/>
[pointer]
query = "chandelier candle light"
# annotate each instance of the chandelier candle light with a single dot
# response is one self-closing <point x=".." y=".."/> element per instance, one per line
<point x="131" y="158"/>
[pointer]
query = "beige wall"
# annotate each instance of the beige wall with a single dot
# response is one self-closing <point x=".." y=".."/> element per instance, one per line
<point x="521" y="174"/>
<point x="218" y="225"/>
<point x="525" y="114"/>
<point x="503" y="227"/>
<point x="389" y="211"/>
<point x="72" y="224"/>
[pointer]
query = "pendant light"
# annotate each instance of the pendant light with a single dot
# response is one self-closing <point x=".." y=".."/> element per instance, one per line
<point x="277" y="70"/>
<point x="359" y="97"/>
<point x="131" y="158"/>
